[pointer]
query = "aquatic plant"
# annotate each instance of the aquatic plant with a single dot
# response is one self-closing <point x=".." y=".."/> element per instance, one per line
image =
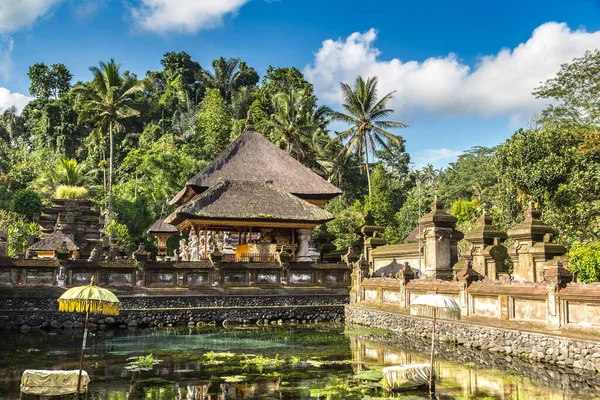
<point x="234" y="378"/>
<point x="369" y="375"/>
<point x="145" y="361"/>
<point x="142" y="363"/>
<point x="260" y="362"/>
<point x="214" y="358"/>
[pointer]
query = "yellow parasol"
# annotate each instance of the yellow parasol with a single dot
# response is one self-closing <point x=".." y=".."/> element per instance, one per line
<point x="88" y="299"/>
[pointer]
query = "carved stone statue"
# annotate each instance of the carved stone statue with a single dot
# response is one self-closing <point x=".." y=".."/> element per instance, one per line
<point x="184" y="250"/>
<point x="94" y="256"/>
<point x="61" y="278"/>
<point x="175" y="255"/>
<point x="193" y="245"/>
<point x="227" y="246"/>
<point x="227" y="239"/>
<point x="211" y="242"/>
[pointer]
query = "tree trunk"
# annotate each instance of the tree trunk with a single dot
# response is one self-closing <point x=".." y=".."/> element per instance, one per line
<point x="110" y="169"/>
<point x="367" y="165"/>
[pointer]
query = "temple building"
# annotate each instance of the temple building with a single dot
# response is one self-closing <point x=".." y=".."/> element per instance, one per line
<point x="251" y="202"/>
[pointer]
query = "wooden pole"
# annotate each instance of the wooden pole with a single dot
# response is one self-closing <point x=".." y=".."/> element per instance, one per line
<point x="85" y="332"/>
<point x="432" y="352"/>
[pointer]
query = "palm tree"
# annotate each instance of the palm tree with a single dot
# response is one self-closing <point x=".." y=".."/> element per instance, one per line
<point x="366" y="131"/>
<point x="222" y="77"/>
<point x="291" y="126"/>
<point x="106" y="101"/>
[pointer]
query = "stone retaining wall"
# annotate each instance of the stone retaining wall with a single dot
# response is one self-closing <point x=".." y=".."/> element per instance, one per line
<point x="37" y="314"/>
<point x="135" y="303"/>
<point x="563" y="352"/>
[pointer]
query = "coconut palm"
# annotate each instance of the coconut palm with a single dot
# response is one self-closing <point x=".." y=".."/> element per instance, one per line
<point x="291" y="126"/>
<point x="106" y="101"/>
<point x="364" y="115"/>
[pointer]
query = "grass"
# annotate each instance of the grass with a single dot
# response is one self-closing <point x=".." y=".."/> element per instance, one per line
<point x="71" y="192"/>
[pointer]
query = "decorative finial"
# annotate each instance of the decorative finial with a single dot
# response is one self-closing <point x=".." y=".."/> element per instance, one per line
<point x="249" y="122"/>
<point x="92" y="280"/>
<point x="57" y="225"/>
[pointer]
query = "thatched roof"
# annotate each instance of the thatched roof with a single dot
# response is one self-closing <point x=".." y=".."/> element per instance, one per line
<point x="54" y="241"/>
<point x="252" y="157"/>
<point x="412" y="236"/>
<point x="248" y="201"/>
<point x="161" y="227"/>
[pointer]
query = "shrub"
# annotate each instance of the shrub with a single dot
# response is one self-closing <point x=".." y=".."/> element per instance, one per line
<point x="464" y="210"/>
<point x="584" y="259"/>
<point x="17" y="236"/>
<point x="71" y="192"/>
<point x="26" y="202"/>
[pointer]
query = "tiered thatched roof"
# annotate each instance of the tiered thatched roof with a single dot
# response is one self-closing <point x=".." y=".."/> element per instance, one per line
<point x="248" y="201"/>
<point x="252" y="157"/>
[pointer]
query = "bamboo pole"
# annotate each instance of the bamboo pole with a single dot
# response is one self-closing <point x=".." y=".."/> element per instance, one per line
<point x="85" y="332"/>
<point x="431" y="386"/>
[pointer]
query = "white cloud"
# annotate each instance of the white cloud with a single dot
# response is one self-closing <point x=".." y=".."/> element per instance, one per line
<point x="436" y="157"/>
<point x="15" y="14"/>
<point x="183" y="16"/>
<point x="500" y="84"/>
<point x="8" y="99"/>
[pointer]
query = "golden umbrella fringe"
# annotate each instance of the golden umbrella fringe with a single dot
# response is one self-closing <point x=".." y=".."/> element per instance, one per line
<point x="83" y="305"/>
<point x="88" y="299"/>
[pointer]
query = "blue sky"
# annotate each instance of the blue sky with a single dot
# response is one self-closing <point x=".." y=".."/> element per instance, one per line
<point x="463" y="71"/>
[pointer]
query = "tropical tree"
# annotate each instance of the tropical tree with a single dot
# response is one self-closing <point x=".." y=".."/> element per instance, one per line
<point x="364" y="115"/>
<point x="106" y="101"/>
<point x="291" y="126"/>
<point x="228" y="75"/>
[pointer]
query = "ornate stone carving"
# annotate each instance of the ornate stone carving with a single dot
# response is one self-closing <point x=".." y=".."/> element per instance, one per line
<point x="184" y="250"/>
<point x="193" y="245"/>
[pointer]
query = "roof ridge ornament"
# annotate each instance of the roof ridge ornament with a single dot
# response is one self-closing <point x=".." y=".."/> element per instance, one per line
<point x="249" y="122"/>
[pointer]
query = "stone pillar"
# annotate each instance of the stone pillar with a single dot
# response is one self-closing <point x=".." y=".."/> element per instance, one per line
<point x="487" y="252"/>
<point x="141" y="257"/>
<point x="532" y="247"/>
<point x="306" y="253"/>
<point x="371" y="237"/>
<point x="439" y="236"/>
<point x="405" y="275"/>
<point x="466" y="277"/>
<point x="557" y="278"/>
<point x="355" y="277"/>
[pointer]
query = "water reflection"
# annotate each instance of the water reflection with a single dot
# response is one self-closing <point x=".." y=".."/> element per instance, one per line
<point x="310" y="362"/>
<point x="472" y="373"/>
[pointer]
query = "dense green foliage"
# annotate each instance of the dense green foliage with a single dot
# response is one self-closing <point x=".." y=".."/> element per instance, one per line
<point x="132" y="143"/>
<point x="584" y="259"/>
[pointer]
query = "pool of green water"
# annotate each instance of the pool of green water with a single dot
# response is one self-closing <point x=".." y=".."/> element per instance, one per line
<point x="277" y="362"/>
